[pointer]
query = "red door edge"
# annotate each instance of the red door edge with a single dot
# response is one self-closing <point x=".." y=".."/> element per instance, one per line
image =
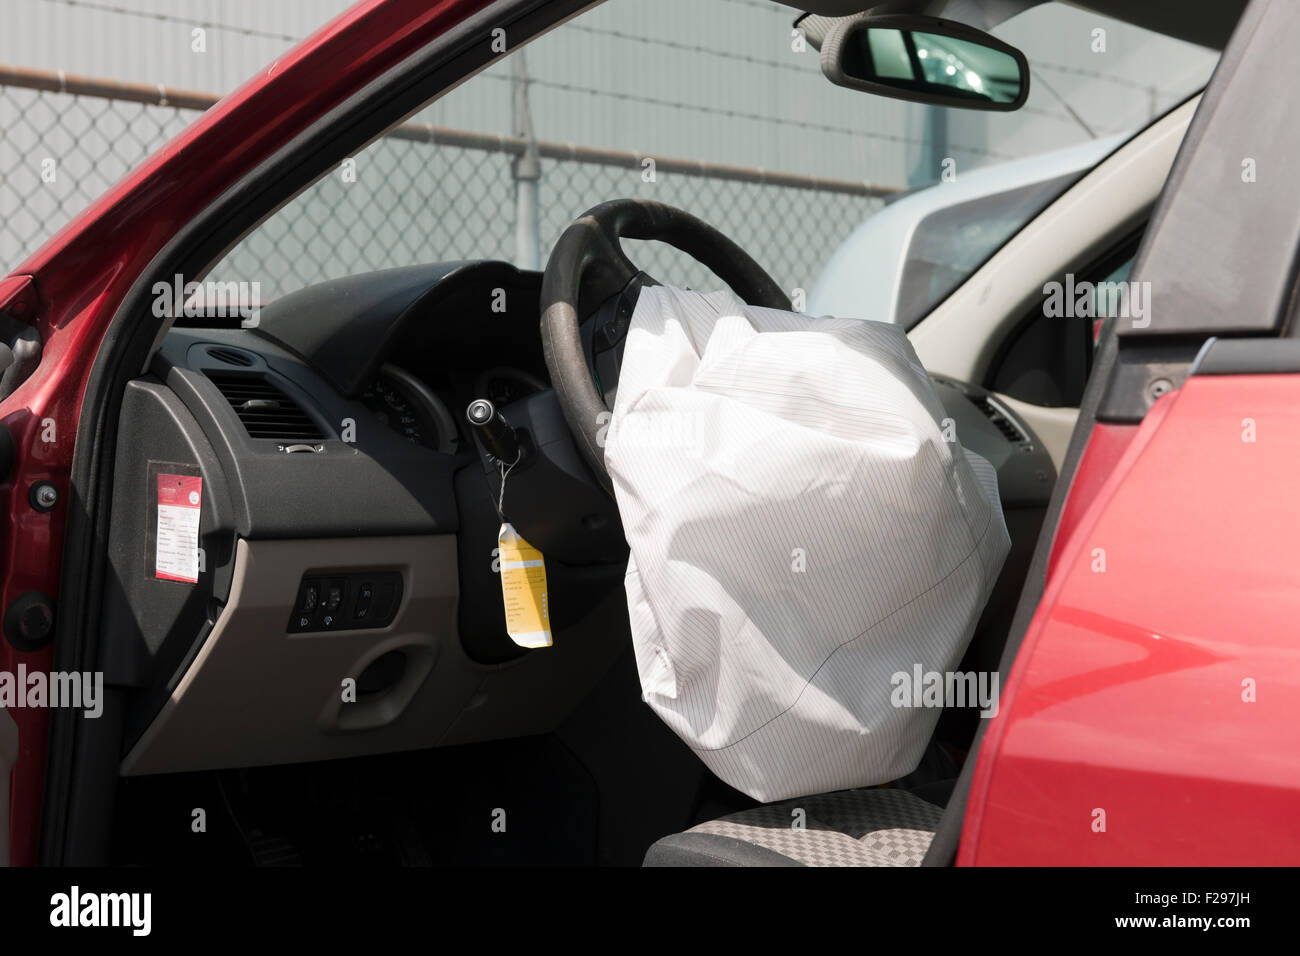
<point x="1149" y="717"/>
<point x="1101" y="464"/>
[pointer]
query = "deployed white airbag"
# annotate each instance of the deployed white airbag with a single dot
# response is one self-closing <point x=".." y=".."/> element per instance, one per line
<point x="801" y="530"/>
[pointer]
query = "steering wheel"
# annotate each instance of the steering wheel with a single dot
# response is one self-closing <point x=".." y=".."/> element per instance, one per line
<point x="588" y="265"/>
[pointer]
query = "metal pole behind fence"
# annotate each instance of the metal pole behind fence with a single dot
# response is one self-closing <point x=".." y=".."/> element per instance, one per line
<point x="527" y="171"/>
<point x="57" y="82"/>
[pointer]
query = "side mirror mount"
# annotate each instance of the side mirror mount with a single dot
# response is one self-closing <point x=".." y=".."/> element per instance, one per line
<point x="926" y="60"/>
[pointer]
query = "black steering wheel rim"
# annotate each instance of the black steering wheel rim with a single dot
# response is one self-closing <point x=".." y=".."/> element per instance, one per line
<point x="588" y="262"/>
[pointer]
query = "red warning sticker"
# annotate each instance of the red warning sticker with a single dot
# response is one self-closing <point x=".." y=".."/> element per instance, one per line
<point x="177" y="547"/>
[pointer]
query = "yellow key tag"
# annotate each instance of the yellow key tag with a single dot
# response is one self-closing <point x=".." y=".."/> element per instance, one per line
<point x="523" y="585"/>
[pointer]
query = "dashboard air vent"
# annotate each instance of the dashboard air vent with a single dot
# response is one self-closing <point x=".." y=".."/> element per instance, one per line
<point x="1001" y="422"/>
<point x="265" y="411"/>
<point x="230" y="356"/>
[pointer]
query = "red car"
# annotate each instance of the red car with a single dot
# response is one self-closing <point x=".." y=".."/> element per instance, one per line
<point x="1144" y="627"/>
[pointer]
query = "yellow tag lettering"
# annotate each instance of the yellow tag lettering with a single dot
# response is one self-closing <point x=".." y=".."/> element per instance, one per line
<point x="523" y="586"/>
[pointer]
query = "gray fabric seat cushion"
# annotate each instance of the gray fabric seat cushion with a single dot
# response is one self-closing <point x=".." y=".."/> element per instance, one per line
<point x="845" y="828"/>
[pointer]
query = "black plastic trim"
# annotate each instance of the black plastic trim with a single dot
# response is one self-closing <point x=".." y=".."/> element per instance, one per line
<point x="6" y="452"/>
<point x="1222" y="258"/>
<point x="1248" y="357"/>
<point x="23" y="607"/>
<point x="1142" y="372"/>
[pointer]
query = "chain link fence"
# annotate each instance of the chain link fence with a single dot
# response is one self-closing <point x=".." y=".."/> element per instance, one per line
<point x="419" y="194"/>
<point x="58" y="152"/>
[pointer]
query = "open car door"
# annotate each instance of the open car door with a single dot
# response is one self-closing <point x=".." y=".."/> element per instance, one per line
<point x="1152" y="673"/>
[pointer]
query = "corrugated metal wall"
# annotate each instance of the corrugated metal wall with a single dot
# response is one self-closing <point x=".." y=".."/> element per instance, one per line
<point x="149" y="41"/>
<point x="713" y="80"/>
<point x="691" y="78"/>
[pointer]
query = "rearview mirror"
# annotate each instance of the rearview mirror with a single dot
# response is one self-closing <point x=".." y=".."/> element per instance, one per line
<point x="926" y="60"/>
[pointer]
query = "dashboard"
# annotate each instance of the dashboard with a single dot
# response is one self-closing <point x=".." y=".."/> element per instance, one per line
<point x="348" y="522"/>
<point x="416" y="345"/>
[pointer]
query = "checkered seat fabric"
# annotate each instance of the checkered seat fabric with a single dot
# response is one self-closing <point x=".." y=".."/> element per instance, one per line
<point x="846" y="828"/>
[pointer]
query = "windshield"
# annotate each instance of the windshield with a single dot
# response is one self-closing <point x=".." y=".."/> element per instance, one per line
<point x="954" y="240"/>
<point x="983" y="176"/>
